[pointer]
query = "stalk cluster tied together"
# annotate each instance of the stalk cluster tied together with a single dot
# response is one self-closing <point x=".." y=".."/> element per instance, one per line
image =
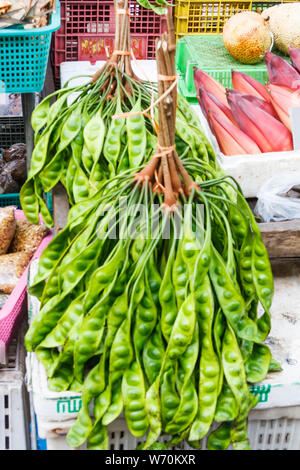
<point x="165" y="172"/>
<point x="120" y="60"/>
<point x="107" y="126"/>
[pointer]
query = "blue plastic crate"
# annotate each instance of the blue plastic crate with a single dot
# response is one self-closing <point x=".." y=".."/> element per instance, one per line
<point x="24" y="56"/>
<point x="41" y="444"/>
<point x="49" y="203"/>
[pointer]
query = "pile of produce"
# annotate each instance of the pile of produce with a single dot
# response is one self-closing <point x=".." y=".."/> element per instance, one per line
<point x="252" y="118"/>
<point x="28" y="13"/>
<point x="151" y="294"/>
<point x="248" y="35"/>
<point x="18" y="241"/>
<point x="12" y="168"/>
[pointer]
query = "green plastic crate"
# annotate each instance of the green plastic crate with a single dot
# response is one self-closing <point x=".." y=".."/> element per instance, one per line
<point x="264" y="5"/>
<point x="269" y="3"/>
<point x="209" y="54"/>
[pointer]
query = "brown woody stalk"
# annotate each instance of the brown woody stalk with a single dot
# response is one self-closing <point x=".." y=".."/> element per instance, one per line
<point x="166" y="111"/>
<point x="165" y="171"/>
<point x="120" y="58"/>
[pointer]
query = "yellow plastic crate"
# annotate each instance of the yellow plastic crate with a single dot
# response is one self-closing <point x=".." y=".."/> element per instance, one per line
<point x="194" y="17"/>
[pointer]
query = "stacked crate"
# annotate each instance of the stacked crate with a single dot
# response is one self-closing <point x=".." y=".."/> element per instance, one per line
<point x="14" y="400"/>
<point x="87" y="32"/>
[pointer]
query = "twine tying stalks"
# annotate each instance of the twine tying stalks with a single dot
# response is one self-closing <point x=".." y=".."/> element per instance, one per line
<point x="165" y="172"/>
<point x="152" y="106"/>
<point x="120" y="57"/>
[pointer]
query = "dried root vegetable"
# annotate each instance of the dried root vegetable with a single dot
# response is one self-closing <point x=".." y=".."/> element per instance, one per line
<point x="13" y="168"/>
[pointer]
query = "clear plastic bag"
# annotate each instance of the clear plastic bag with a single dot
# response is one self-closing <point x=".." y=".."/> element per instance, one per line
<point x="274" y="203"/>
<point x="3" y="300"/>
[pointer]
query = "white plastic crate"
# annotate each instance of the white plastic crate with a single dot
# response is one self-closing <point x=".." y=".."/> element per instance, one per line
<point x="278" y="433"/>
<point x="14" y="404"/>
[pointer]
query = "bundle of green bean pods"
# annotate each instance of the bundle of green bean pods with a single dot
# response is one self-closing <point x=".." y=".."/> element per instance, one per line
<point x="158" y="6"/>
<point x="78" y="143"/>
<point x="154" y="313"/>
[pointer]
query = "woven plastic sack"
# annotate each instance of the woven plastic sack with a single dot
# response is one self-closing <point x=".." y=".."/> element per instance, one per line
<point x="12" y="266"/>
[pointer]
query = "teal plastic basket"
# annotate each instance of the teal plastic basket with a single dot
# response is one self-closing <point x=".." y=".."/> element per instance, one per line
<point x="13" y="199"/>
<point x="24" y="56"/>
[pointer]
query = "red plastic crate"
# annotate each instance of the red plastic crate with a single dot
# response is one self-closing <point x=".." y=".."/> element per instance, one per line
<point x="87" y="31"/>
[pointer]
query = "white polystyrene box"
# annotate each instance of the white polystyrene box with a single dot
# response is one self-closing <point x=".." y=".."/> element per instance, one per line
<point x="250" y="171"/>
<point x="47" y="404"/>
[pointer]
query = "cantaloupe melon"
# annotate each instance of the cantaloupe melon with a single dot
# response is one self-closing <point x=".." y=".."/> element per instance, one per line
<point x="246" y="37"/>
<point x="284" y="22"/>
